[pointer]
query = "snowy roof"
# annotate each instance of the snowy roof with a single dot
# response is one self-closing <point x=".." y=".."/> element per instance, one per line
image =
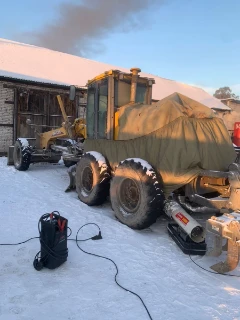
<point x="28" y="62"/>
<point x="231" y="99"/>
<point x="226" y="99"/>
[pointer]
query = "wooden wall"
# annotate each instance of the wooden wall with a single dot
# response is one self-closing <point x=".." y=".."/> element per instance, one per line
<point x="39" y="104"/>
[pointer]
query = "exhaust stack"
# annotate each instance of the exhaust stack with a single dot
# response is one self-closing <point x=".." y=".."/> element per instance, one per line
<point x="135" y="72"/>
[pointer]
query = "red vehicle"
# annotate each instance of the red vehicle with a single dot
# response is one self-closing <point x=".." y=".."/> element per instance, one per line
<point x="236" y="134"/>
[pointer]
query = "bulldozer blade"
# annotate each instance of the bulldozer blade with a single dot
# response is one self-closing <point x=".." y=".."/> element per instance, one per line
<point x="72" y="181"/>
<point x="232" y="260"/>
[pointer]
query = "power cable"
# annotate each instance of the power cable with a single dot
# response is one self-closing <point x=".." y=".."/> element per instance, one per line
<point x="51" y="252"/>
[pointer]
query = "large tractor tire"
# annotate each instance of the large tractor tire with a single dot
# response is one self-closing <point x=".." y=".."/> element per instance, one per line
<point x="21" y="155"/>
<point x="92" y="179"/>
<point x="136" y="194"/>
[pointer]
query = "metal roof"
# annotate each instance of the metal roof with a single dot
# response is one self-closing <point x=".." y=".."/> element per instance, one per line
<point x="31" y="63"/>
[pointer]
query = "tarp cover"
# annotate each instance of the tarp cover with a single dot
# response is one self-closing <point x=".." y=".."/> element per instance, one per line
<point x="178" y="136"/>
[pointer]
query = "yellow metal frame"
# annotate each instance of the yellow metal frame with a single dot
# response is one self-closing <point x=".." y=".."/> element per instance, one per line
<point x="102" y="76"/>
<point x="68" y="130"/>
<point x="115" y="73"/>
<point x="46" y="138"/>
<point x="113" y="117"/>
<point x="79" y="126"/>
<point x="116" y="125"/>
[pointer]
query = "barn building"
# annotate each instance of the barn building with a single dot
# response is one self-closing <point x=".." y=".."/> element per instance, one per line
<point x="31" y="77"/>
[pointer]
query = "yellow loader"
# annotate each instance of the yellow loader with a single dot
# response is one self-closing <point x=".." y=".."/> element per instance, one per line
<point x="50" y="146"/>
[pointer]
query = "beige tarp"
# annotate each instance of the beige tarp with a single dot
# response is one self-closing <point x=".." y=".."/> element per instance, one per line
<point x="178" y="136"/>
<point x="139" y="120"/>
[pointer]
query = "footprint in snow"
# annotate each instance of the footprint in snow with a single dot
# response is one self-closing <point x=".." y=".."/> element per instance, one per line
<point x="16" y="310"/>
<point x="20" y="252"/>
<point x="7" y="264"/>
<point x="16" y="299"/>
<point x="23" y="261"/>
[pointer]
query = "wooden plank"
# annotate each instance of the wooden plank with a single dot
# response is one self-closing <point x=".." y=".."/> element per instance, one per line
<point x="6" y="125"/>
<point x="9" y="102"/>
<point x="48" y="109"/>
<point x="41" y="87"/>
<point x="15" y="115"/>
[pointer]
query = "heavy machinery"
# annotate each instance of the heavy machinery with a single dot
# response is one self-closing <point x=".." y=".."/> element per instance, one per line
<point x="50" y="146"/>
<point x="173" y="156"/>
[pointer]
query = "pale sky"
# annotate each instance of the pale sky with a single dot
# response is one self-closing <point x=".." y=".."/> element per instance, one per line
<point x="192" y="41"/>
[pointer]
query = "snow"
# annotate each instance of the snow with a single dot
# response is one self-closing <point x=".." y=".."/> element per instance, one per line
<point x="149" y="262"/>
<point x="24" y="142"/>
<point x="144" y="164"/>
<point x="23" y="61"/>
<point x="99" y="158"/>
<point x="8" y="74"/>
<point x="84" y="193"/>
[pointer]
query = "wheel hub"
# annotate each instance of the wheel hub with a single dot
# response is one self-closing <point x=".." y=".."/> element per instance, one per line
<point x="87" y="179"/>
<point x="129" y="195"/>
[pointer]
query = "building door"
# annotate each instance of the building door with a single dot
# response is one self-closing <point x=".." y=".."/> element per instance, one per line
<point x="42" y="108"/>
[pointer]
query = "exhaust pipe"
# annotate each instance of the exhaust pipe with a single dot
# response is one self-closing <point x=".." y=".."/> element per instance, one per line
<point x="204" y="209"/>
<point x="189" y="225"/>
<point x="135" y="72"/>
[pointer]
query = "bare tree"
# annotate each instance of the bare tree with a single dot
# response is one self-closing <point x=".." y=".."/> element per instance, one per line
<point x="225" y="93"/>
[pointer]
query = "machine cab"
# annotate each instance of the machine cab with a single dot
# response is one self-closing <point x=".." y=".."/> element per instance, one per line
<point x="107" y="93"/>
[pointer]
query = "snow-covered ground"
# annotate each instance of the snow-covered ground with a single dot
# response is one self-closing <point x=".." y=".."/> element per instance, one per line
<point x="149" y="262"/>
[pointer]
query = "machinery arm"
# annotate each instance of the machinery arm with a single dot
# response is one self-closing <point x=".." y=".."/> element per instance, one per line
<point x="65" y="117"/>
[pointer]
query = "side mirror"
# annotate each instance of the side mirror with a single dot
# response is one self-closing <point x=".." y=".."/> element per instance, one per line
<point x="72" y="93"/>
